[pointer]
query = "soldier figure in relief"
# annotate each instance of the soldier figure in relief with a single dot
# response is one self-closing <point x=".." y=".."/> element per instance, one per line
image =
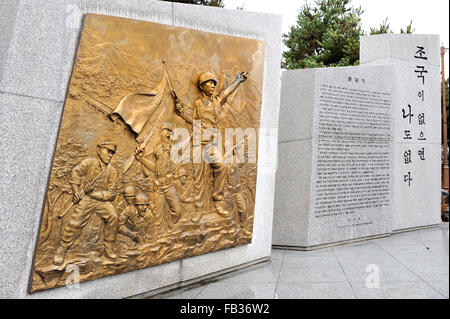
<point x="182" y="187"/>
<point x="237" y="195"/>
<point x="207" y="109"/>
<point x="135" y="221"/>
<point x="98" y="180"/>
<point x="167" y="204"/>
<point x="129" y="198"/>
<point x="184" y="191"/>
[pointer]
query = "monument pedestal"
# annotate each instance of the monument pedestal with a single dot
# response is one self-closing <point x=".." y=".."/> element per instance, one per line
<point x="37" y="49"/>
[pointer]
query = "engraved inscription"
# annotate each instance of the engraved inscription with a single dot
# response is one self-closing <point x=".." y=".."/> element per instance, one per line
<point x="353" y="155"/>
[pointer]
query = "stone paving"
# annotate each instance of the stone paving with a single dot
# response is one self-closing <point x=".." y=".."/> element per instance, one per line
<point x="413" y="265"/>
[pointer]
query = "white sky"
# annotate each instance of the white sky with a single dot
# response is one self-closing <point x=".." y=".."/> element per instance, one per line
<point x="429" y="17"/>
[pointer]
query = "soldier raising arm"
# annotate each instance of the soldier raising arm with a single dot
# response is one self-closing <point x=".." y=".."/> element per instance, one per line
<point x="207" y="83"/>
<point x="207" y="109"/>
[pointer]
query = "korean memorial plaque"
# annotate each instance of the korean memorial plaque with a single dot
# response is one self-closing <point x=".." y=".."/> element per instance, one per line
<point x="334" y="181"/>
<point x="156" y="155"/>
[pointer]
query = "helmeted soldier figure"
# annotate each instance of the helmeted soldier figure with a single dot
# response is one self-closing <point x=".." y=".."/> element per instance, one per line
<point x="183" y="175"/>
<point x="237" y="195"/>
<point x="98" y="179"/>
<point x="135" y="221"/>
<point x="183" y="189"/>
<point x="207" y="109"/>
<point x="167" y="204"/>
<point x="129" y="198"/>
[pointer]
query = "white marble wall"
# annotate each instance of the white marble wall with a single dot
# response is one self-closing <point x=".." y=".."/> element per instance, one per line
<point x="416" y="203"/>
<point x="37" y="48"/>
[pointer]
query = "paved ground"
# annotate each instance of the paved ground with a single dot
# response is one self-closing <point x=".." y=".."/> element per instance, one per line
<point x="408" y="265"/>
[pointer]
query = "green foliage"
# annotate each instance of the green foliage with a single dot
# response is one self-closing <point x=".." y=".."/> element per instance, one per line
<point x="386" y="28"/>
<point x="326" y="34"/>
<point x="211" y="3"/>
<point x="383" y="28"/>
<point x="409" y="29"/>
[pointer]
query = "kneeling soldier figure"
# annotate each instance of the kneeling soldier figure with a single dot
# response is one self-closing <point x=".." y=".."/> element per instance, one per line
<point x="135" y="221"/>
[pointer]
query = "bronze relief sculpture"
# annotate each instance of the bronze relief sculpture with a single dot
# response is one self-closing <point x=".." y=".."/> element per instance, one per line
<point x="151" y="163"/>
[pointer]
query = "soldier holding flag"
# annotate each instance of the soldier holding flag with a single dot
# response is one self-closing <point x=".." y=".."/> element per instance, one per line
<point x="167" y="206"/>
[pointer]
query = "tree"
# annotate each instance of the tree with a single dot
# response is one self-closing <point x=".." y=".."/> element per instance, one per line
<point x="383" y="28"/>
<point x="326" y="34"/>
<point x="408" y="30"/>
<point x="386" y="28"/>
<point x="211" y="3"/>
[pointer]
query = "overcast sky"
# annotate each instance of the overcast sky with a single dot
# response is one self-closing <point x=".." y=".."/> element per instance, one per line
<point x="429" y="17"/>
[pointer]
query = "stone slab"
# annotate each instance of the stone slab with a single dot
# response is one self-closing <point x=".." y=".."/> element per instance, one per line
<point x="355" y="81"/>
<point x="417" y="205"/>
<point x="265" y="273"/>
<point x="297" y="106"/>
<point x="229" y="291"/>
<point x="348" y="113"/>
<point x="292" y="194"/>
<point x="6" y="25"/>
<point x="400" y="48"/>
<point x="315" y="290"/>
<point x="367" y="222"/>
<point x="396" y="290"/>
<point x="29" y="128"/>
<point x="312" y="270"/>
<point x="408" y="88"/>
<point x="37" y="64"/>
<point x="355" y="267"/>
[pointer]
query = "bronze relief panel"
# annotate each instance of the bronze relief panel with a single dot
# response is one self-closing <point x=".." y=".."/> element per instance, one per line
<point x="156" y="157"/>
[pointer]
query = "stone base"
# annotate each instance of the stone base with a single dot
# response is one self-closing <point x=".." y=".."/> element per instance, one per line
<point x="317" y="247"/>
<point x="197" y="281"/>
<point x="406" y="230"/>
